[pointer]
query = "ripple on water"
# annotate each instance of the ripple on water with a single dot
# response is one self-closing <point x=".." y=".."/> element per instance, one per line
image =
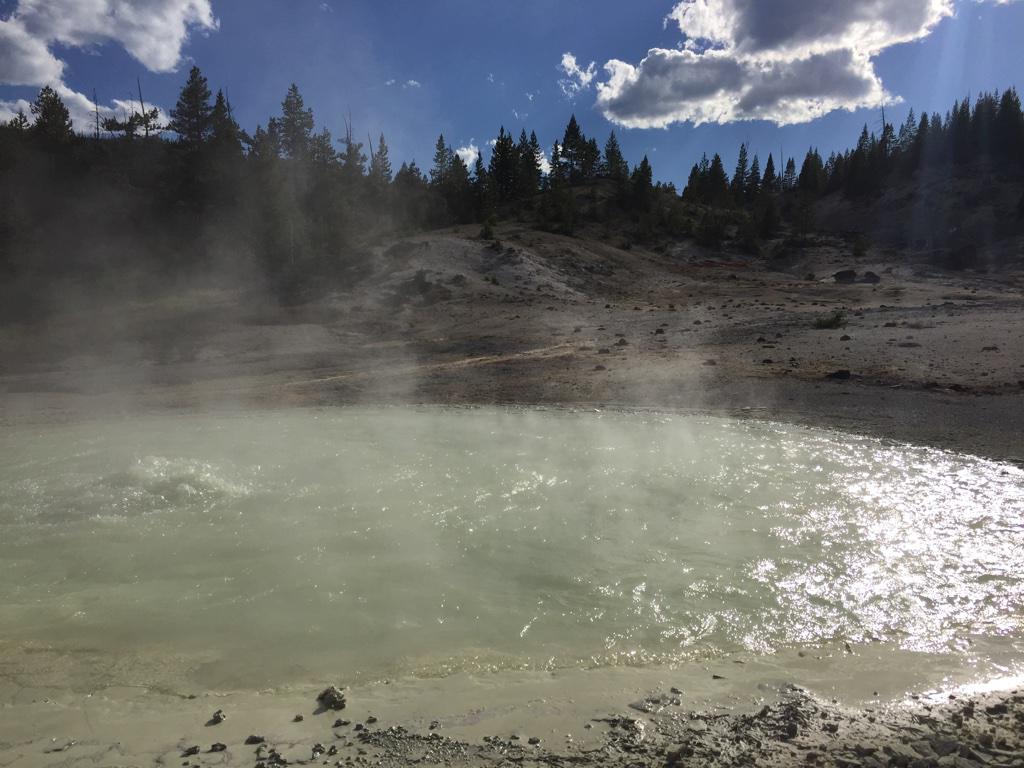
<point x="390" y="541"/>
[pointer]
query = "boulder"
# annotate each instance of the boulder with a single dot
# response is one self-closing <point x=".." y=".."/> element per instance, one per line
<point x="332" y="698"/>
<point x="845" y="276"/>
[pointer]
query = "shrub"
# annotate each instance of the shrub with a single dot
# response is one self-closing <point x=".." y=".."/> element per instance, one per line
<point x="829" y="322"/>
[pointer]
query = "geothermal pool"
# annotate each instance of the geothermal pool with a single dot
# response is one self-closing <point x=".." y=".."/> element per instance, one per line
<point x="257" y="550"/>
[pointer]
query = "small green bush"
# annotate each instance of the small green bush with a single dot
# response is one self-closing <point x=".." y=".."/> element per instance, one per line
<point x="830" y="322"/>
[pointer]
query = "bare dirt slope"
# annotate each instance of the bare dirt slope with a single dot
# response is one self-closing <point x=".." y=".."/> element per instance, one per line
<point x="923" y="355"/>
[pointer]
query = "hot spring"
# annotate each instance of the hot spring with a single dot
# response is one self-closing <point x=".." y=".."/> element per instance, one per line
<point x="262" y="550"/>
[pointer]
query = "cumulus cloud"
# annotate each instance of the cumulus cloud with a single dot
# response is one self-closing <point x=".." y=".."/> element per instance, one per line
<point x="576" y="78"/>
<point x="786" y="61"/>
<point x="468" y="153"/>
<point x="545" y="164"/>
<point x="411" y="84"/>
<point x="151" y="31"/>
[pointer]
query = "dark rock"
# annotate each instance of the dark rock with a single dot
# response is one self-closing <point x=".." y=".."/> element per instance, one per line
<point x="218" y="747"/>
<point x="842" y="374"/>
<point x="533" y="740"/>
<point x="371" y="720"/>
<point x="359" y="727"/>
<point x="217" y="718"/>
<point x="193" y="750"/>
<point x="900" y="755"/>
<point x="339" y="723"/>
<point x="621" y="343"/>
<point x="298" y="719"/>
<point x="254" y="740"/>
<point x="871" y="277"/>
<point x="332" y="698"/>
<point x="845" y="337"/>
<point x="845" y="276"/>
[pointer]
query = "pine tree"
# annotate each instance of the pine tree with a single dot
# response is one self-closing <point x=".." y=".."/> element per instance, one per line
<point x="380" y="167"/>
<point x="502" y="170"/>
<point x="266" y="144"/>
<point x="557" y="173"/>
<point x="528" y="167"/>
<point x="590" y="159"/>
<point x="321" y="149"/>
<point x="615" y="164"/>
<point x="538" y="160"/>
<point x="19" y="122"/>
<point x="643" y="187"/>
<point x="190" y="118"/>
<point x="1008" y="129"/>
<point x="770" y="182"/>
<point x="812" y="173"/>
<point x="789" y="176"/>
<point x="694" y="185"/>
<point x="296" y="125"/>
<point x="907" y="134"/>
<point x="439" y="171"/>
<point x="753" y="184"/>
<point x="353" y="161"/>
<point x="739" y="177"/>
<point x="129" y="126"/>
<point x="481" y="187"/>
<point x="573" y="149"/>
<point x="457" y="191"/>
<point x="52" y="119"/>
<point x="717" y="191"/>
<point x="224" y="131"/>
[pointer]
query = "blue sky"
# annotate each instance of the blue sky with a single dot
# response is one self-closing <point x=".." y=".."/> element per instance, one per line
<point x="477" y="65"/>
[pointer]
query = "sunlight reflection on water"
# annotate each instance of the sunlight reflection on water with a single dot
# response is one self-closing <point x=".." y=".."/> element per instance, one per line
<point x="429" y="540"/>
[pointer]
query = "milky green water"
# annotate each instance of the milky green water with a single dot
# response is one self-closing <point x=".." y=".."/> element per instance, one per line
<point x="269" y="549"/>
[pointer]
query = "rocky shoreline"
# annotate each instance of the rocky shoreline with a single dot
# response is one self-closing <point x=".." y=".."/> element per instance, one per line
<point x="960" y="731"/>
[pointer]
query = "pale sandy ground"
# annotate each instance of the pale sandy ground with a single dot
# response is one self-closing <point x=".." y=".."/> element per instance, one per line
<point x="934" y="358"/>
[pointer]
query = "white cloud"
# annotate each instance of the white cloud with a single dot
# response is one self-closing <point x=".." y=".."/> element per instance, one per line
<point x="785" y="30"/>
<point x="390" y="82"/>
<point x="545" y="164"/>
<point x="411" y="84"/>
<point x="152" y="31"/>
<point x="26" y="59"/>
<point x="576" y="78"/>
<point x="468" y="153"/>
<point x="786" y="61"/>
<point x="682" y="86"/>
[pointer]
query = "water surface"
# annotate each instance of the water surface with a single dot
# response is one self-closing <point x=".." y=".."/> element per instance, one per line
<point x="269" y="549"/>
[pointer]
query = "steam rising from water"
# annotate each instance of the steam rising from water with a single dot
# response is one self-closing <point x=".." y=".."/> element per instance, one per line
<point x="271" y="548"/>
